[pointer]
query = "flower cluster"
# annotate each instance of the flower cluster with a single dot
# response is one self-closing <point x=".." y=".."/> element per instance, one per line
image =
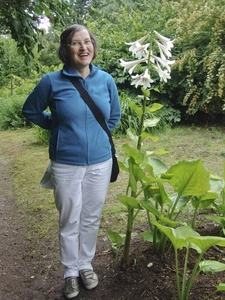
<point x="144" y="55"/>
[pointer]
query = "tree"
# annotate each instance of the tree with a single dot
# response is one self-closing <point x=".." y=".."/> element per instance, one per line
<point x="198" y="75"/>
<point x="21" y="19"/>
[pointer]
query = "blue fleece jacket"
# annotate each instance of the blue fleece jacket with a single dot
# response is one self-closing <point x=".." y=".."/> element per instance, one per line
<point x="76" y="136"/>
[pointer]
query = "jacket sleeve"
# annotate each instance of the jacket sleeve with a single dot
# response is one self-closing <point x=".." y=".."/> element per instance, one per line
<point x="115" y="112"/>
<point x="34" y="108"/>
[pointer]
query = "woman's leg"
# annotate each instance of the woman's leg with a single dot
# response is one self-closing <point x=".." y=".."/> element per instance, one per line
<point x="68" y="199"/>
<point x="94" y="190"/>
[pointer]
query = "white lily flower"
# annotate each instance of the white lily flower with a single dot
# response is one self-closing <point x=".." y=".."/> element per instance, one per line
<point x="142" y="51"/>
<point x="133" y="47"/>
<point x="163" y="74"/>
<point x="138" y="47"/>
<point x="164" y="62"/>
<point x="163" y="49"/>
<point x="130" y="64"/>
<point x="165" y="41"/>
<point x="144" y="79"/>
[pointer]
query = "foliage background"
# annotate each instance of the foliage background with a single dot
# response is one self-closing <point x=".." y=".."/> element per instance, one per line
<point x="196" y="91"/>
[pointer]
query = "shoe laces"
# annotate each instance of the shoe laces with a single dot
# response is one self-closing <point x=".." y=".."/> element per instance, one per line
<point x="71" y="282"/>
<point x="88" y="274"/>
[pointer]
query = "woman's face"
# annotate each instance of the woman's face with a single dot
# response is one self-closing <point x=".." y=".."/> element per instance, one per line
<point x="81" y="49"/>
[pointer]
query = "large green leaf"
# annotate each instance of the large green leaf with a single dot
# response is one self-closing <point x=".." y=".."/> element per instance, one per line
<point x="178" y="235"/>
<point x="203" y="243"/>
<point x="189" y="178"/>
<point x="186" y="237"/>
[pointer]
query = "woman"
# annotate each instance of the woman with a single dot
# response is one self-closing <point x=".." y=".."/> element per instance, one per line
<point x="79" y="149"/>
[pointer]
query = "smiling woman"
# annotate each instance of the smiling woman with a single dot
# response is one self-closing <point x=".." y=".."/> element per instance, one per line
<point x="81" y="52"/>
<point x="80" y="150"/>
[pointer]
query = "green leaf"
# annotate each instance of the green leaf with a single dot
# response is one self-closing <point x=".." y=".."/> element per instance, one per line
<point x="220" y="287"/>
<point x="132" y="135"/>
<point x="138" y="156"/>
<point x="203" y="243"/>
<point x="154" y="107"/>
<point x="177" y="235"/>
<point x="129" y="202"/>
<point x="132" y="179"/>
<point x="212" y="266"/>
<point x="217" y="219"/>
<point x="115" y="237"/>
<point x="136" y="108"/>
<point x="148" y="236"/>
<point x="205" y="201"/>
<point x="139" y="173"/>
<point x="158" y="166"/>
<point x="151" y="122"/>
<point x="216" y="184"/>
<point x="164" y="197"/>
<point x="189" y="178"/>
<point x="145" y="92"/>
<point x="145" y="135"/>
<point x="161" y="151"/>
<point x="149" y="207"/>
<point x="123" y="166"/>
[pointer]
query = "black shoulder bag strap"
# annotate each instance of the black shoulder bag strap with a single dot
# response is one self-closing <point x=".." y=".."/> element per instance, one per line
<point x="96" y="112"/>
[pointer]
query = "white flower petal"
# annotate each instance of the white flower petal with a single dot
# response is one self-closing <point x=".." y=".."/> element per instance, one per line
<point x="166" y="41"/>
<point x="144" y="79"/>
<point x="163" y="49"/>
<point x="163" y="74"/>
<point x="130" y="64"/>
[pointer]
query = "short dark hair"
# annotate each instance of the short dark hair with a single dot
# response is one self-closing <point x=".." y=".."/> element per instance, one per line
<point x="65" y="39"/>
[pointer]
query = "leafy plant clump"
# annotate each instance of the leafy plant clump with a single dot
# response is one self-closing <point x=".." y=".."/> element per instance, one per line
<point x="11" y="113"/>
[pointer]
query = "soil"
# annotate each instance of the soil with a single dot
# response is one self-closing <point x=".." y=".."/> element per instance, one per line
<point x="26" y="274"/>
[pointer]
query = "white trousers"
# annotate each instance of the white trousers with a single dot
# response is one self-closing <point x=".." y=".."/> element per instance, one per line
<point x="80" y="193"/>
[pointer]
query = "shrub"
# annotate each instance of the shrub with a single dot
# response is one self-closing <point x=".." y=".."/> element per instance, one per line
<point x="168" y="115"/>
<point x="11" y="113"/>
<point x="42" y="135"/>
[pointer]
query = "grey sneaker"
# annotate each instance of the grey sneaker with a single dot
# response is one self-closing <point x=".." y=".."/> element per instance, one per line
<point x="71" y="288"/>
<point x="89" y="278"/>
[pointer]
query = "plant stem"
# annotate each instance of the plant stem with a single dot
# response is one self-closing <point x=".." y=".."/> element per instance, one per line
<point x="183" y="290"/>
<point x="141" y="123"/>
<point x="194" y="275"/>
<point x="128" y="235"/>
<point x="177" y="275"/>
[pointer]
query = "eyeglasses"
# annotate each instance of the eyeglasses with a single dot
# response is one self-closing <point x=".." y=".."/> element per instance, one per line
<point x="78" y="44"/>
